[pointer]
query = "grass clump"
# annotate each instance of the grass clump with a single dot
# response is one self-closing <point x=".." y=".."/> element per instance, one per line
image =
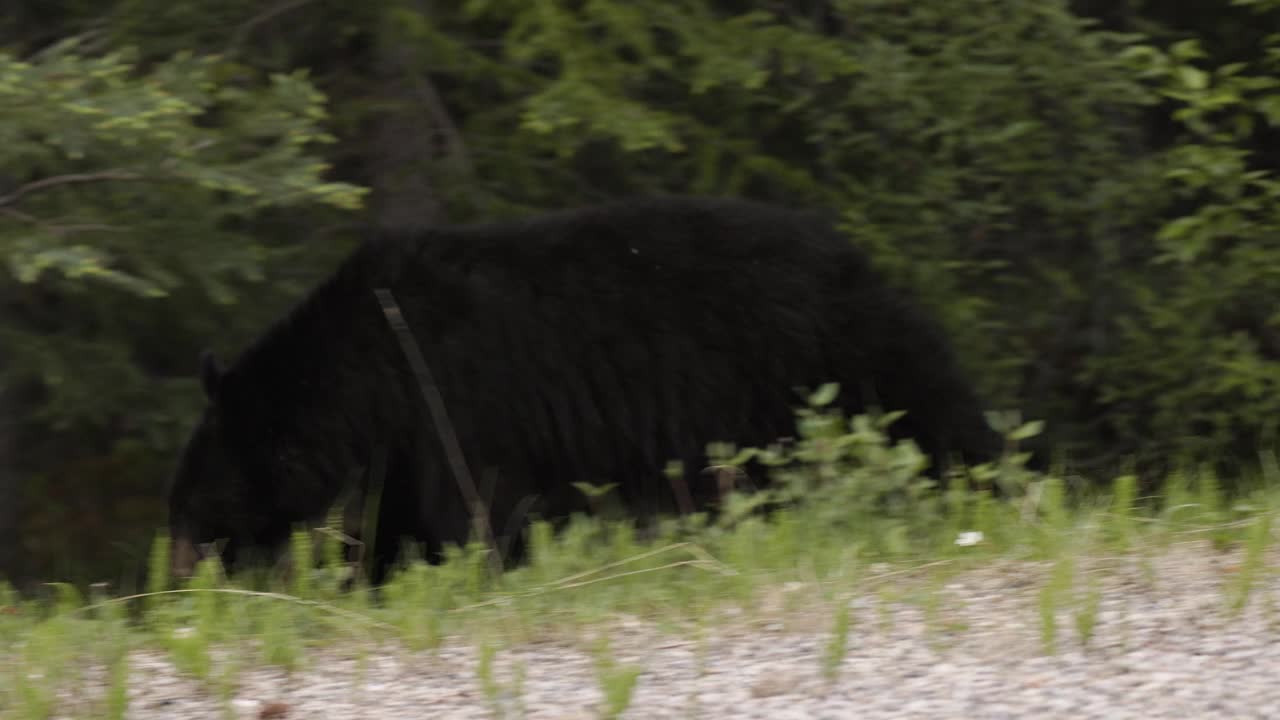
<point x="504" y="698"/>
<point x="838" y="644"/>
<point x="1252" y="567"/>
<point x="617" y="681"/>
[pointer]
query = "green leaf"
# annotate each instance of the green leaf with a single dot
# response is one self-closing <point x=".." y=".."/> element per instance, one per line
<point x="1193" y="78"/>
<point x="824" y="395"/>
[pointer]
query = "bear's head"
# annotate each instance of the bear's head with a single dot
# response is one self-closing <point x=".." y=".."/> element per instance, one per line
<point x="223" y="493"/>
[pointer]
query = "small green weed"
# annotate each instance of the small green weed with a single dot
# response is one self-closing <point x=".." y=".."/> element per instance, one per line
<point x="838" y="644"/>
<point x="1086" y="612"/>
<point x="1253" y="565"/>
<point x="504" y="698"/>
<point x="617" y="682"/>
<point x="1050" y="599"/>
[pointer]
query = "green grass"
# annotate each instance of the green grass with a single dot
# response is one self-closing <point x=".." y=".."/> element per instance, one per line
<point x="838" y="644"/>
<point x="617" y="681"/>
<point x="858" y="521"/>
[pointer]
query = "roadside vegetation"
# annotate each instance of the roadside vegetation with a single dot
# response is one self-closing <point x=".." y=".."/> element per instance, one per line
<point x="851" y="516"/>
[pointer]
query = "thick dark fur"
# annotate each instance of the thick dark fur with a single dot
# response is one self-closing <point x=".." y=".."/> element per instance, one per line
<point x="591" y="345"/>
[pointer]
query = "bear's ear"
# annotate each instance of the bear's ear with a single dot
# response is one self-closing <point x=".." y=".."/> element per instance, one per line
<point x="210" y="373"/>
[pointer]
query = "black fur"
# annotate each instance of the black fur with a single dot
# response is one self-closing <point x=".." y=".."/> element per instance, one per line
<point x="591" y="345"/>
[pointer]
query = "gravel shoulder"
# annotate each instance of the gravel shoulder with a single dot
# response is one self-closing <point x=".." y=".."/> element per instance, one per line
<point x="1164" y="646"/>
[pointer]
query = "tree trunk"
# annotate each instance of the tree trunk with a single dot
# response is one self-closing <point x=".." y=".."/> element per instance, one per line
<point x="409" y="140"/>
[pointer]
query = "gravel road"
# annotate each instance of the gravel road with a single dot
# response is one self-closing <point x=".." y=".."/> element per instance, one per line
<point x="1164" y="647"/>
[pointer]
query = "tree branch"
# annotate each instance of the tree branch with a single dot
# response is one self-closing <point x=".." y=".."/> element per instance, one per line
<point x="242" y="32"/>
<point x="58" y="227"/>
<point x="49" y="182"/>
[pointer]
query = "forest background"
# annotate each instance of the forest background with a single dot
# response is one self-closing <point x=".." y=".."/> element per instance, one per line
<point x="1085" y="192"/>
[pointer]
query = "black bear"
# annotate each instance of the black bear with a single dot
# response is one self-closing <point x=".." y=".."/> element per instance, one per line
<point x="593" y="345"/>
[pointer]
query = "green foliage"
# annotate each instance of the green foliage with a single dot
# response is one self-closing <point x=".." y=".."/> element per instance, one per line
<point x="128" y="211"/>
<point x="1253" y="568"/>
<point x="91" y="135"/>
<point x="1121" y="525"/>
<point x="1050" y="598"/>
<point x="1085" y="615"/>
<point x="424" y="592"/>
<point x="158" y="565"/>
<point x="1195" y="368"/>
<point x="281" y="636"/>
<point x="302" y="560"/>
<point x="847" y="473"/>
<point x="488" y="683"/>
